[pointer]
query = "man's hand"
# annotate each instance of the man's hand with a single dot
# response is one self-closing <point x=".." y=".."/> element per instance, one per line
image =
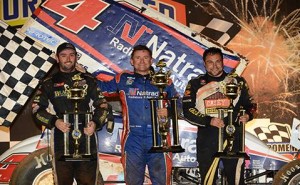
<point x="80" y="68"/>
<point x="217" y="122"/>
<point x="90" y="128"/>
<point x="244" y="119"/>
<point x="162" y="113"/>
<point x="62" y="126"/>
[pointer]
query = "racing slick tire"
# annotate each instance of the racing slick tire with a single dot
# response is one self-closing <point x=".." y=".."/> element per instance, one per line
<point x="289" y="174"/>
<point x="36" y="169"/>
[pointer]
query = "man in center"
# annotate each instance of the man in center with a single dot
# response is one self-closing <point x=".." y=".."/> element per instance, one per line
<point x="135" y="90"/>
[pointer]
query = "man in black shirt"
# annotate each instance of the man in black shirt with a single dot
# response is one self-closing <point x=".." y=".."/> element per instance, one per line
<point x="52" y="91"/>
<point x="202" y="97"/>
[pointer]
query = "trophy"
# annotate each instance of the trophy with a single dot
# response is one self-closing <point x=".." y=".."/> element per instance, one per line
<point x="76" y="93"/>
<point x="232" y="91"/>
<point x="161" y="126"/>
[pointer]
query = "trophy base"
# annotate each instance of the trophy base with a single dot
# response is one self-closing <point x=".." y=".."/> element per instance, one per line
<point x="161" y="149"/>
<point x="77" y="158"/>
<point x="232" y="155"/>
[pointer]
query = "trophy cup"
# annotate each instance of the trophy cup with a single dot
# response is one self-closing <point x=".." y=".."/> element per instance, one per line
<point x="232" y="91"/>
<point x="76" y="93"/>
<point x="161" y="126"/>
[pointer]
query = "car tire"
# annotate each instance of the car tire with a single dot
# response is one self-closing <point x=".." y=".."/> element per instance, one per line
<point x="36" y="169"/>
<point x="289" y="174"/>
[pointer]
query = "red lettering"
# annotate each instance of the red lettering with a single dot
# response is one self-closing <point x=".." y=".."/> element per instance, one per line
<point x="135" y="38"/>
<point x="217" y="103"/>
<point x="7" y="169"/>
<point x="77" y="14"/>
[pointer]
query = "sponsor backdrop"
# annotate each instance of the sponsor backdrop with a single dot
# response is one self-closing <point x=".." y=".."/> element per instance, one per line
<point x="264" y="33"/>
<point x="17" y="12"/>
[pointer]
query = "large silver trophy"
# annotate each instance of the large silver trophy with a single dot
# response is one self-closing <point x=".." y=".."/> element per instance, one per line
<point x="76" y="93"/>
<point x="232" y="90"/>
<point x="161" y="126"/>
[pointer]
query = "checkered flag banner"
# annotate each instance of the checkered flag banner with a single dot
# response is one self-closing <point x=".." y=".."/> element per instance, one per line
<point x="23" y="62"/>
<point x="211" y="19"/>
<point x="274" y="133"/>
<point x="219" y="30"/>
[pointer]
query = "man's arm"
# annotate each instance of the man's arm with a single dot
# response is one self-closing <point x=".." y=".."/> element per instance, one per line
<point x="109" y="88"/>
<point x="101" y="108"/>
<point x="190" y="112"/>
<point x="39" y="108"/>
<point x="247" y="101"/>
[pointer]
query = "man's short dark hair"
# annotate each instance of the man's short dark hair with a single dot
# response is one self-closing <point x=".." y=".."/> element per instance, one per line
<point x="140" y="47"/>
<point x="212" y="51"/>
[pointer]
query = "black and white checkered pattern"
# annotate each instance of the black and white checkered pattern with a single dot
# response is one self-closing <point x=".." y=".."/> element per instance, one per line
<point x="211" y="20"/>
<point x="274" y="133"/>
<point x="219" y="30"/>
<point x="5" y="140"/>
<point x="22" y="63"/>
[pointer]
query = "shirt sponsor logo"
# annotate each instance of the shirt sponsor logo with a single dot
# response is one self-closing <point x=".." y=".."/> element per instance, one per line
<point x="218" y="103"/>
<point x="137" y="92"/>
<point x="130" y="80"/>
<point x="60" y="94"/>
<point x="215" y="101"/>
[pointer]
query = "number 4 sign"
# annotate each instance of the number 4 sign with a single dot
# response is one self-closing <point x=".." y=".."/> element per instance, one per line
<point x="76" y="14"/>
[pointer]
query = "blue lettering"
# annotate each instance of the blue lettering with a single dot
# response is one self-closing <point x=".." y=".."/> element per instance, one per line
<point x="29" y="5"/>
<point x="15" y="9"/>
<point x="7" y="13"/>
<point x="167" y="10"/>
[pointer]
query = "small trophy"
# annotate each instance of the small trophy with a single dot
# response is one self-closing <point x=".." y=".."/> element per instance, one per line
<point x="76" y="93"/>
<point x="232" y="91"/>
<point x="161" y="126"/>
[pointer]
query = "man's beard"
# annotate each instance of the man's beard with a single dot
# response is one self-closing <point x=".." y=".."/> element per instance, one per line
<point x="68" y="68"/>
<point x="218" y="74"/>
